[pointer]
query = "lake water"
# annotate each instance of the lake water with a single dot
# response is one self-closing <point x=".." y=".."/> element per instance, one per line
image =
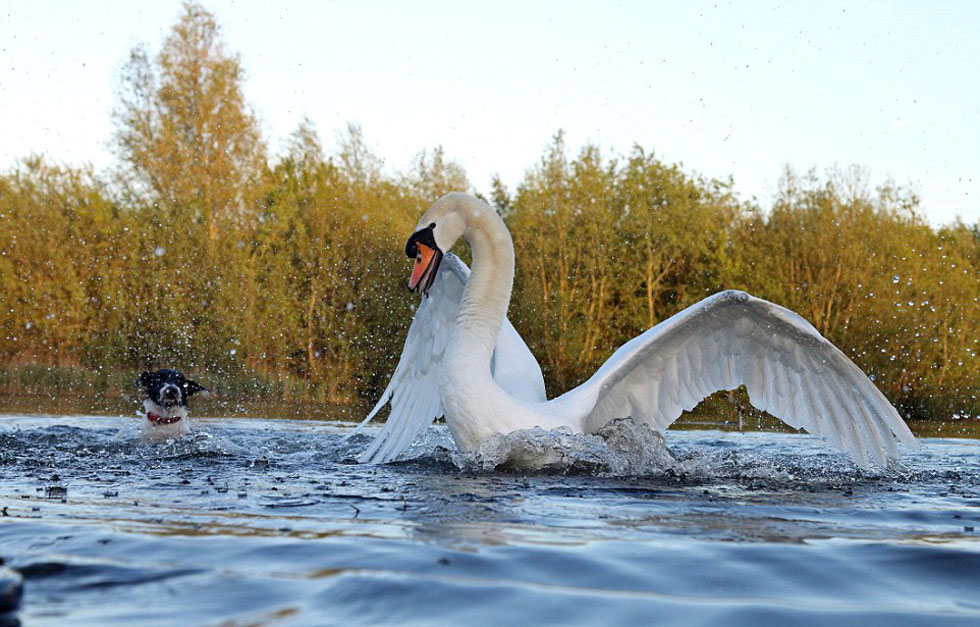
<point x="268" y="522"/>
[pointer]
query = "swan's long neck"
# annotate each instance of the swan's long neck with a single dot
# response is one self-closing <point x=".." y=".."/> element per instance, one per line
<point x="487" y="293"/>
<point x="474" y="405"/>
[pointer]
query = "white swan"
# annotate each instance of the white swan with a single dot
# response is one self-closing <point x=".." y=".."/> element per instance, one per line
<point x="463" y="359"/>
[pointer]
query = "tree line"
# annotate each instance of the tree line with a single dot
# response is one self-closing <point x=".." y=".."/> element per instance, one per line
<point x="203" y="252"/>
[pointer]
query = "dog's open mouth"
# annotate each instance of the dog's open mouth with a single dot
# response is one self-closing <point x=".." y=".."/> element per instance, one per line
<point x="169" y="396"/>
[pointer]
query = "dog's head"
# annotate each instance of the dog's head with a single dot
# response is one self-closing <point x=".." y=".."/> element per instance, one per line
<point x="169" y="388"/>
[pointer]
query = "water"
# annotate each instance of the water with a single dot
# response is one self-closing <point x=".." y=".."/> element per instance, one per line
<point x="268" y="522"/>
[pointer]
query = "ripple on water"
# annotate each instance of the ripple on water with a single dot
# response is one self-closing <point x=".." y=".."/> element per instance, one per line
<point x="259" y="521"/>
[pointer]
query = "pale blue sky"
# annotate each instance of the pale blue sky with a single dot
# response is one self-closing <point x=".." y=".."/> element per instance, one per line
<point x="725" y="89"/>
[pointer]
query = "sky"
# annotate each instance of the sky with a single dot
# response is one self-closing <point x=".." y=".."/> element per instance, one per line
<point x="725" y="89"/>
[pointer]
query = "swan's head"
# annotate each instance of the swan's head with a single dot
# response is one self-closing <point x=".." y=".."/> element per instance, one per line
<point x="437" y="232"/>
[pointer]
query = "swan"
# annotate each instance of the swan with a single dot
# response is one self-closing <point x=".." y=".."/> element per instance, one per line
<point x="464" y="360"/>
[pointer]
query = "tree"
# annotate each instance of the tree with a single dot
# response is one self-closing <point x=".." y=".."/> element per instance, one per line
<point x="61" y="262"/>
<point x="500" y="198"/>
<point x="183" y="129"/>
<point x="433" y="176"/>
<point x="563" y="224"/>
<point x="674" y="233"/>
<point x="360" y="166"/>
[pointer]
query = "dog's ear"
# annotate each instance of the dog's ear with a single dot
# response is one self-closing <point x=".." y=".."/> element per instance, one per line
<point x="145" y="378"/>
<point x="193" y="387"/>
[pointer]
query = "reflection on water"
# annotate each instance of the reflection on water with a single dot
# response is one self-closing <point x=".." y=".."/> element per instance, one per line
<point x="271" y="522"/>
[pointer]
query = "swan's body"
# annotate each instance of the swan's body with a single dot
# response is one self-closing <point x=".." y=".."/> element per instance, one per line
<point x="463" y="359"/>
<point x="414" y="388"/>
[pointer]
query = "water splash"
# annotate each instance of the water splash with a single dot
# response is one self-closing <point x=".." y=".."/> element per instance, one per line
<point x="622" y="447"/>
<point x="628" y="448"/>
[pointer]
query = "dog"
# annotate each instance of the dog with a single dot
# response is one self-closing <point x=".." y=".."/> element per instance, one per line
<point x="166" y="403"/>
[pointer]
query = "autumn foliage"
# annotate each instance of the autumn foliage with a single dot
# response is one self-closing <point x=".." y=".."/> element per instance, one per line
<point x="204" y="252"/>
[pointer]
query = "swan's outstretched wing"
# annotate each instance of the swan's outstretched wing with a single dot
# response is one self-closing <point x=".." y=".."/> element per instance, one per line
<point x="732" y="339"/>
<point x="414" y="388"/>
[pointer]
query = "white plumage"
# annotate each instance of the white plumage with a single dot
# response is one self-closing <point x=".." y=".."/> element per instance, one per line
<point x="463" y="359"/>
<point x="414" y="387"/>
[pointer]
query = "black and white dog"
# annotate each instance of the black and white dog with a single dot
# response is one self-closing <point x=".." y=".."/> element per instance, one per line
<point x="166" y="406"/>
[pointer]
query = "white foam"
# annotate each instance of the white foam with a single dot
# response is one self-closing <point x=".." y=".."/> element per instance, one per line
<point x="622" y="447"/>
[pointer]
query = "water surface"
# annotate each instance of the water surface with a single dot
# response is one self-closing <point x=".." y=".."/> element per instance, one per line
<point x="270" y="522"/>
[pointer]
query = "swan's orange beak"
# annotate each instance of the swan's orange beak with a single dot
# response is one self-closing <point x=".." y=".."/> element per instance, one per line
<point x="426" y="265"/>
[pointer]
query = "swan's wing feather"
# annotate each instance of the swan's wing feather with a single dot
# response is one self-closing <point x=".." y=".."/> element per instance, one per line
<point x="414" y="387"/>
<point x="732" y="339"/>
<point x="413" y="404"/>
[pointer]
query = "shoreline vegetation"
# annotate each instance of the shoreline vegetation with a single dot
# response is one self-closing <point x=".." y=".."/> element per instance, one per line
<point x="280" y="278"/>
<point x="35" y="390"/>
